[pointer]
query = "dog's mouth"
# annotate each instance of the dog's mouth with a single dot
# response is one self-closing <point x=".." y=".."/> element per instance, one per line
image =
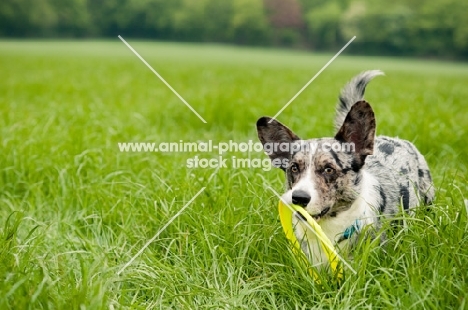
<point x="321" y="214"/>
<point x="316" y="217"/>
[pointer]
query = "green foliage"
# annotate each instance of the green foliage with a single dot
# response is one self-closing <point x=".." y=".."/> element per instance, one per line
<point x="324" y="25"/>
<point x="25" y="18"/>
<point x="74" y="210"/>
<point x="436" y="28"/>
<point x="249" y="24"/>
<point x="429" y="28"/>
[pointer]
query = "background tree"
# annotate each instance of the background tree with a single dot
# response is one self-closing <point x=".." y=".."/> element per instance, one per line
<point x="286" y="20"/>
<point x="437" y="28"/>
<point x="249" y="24"/>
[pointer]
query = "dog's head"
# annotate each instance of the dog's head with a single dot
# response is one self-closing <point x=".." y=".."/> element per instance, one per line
<point x="323" y="175"/>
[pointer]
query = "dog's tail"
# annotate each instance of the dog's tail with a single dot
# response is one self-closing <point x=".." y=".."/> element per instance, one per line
<point x="351" y="93"/>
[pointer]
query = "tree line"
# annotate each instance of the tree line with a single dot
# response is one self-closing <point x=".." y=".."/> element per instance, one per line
<point x="428" y="28"/>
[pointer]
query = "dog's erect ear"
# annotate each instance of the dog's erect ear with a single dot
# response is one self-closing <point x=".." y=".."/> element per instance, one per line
<point x="273" y="135"/>
<point x="359" y="128"/>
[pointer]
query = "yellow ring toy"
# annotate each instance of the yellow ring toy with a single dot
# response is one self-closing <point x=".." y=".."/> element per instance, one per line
<point x="286" y="214"/>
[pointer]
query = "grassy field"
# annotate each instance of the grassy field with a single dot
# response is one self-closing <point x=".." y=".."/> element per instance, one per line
<point x="74" y="210"/>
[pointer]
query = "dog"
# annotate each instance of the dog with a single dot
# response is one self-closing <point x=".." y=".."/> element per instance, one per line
<point x="346" y="189"/>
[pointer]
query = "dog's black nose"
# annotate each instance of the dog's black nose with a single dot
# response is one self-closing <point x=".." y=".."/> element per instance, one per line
<point x="300" y="198"/>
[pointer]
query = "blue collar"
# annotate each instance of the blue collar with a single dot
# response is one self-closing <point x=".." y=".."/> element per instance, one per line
<point x="349" y="232"/>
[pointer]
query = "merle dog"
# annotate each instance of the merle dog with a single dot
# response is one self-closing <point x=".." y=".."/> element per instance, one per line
<point x="346" y="188"/>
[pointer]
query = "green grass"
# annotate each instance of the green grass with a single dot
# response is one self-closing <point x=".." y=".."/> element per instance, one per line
<point x="74" y="209"/>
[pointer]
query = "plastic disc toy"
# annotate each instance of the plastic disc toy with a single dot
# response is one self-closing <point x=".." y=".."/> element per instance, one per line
<point x="286" y="214"/>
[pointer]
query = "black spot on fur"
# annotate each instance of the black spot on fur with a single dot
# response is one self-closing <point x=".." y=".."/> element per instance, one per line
<point x="429" y="175"/>
<point x="404" y="196"/>
<point x="358" y="179"/>
<point x="421" y="173"/>
<point x="395" y="143"/>
<point x="342" y="103"/>
<point x="362" y="86"/>
<point x="404" y="171"/>
<point x="387" y="148"/>
<point x="383" y="199"/>
<point x="355" y="165"/>
<point x="337" y="160"/>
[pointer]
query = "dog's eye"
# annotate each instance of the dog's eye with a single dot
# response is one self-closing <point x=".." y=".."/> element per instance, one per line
<point x="294" y="168"/>
<point x="328" y="170"/>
